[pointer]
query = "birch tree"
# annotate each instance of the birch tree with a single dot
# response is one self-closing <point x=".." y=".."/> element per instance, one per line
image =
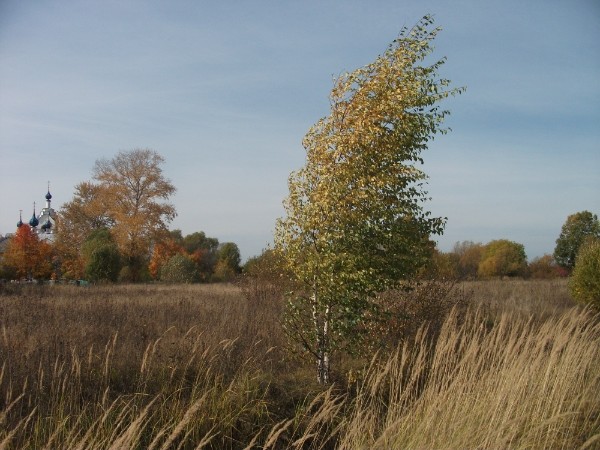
<point x="355" y="223"/>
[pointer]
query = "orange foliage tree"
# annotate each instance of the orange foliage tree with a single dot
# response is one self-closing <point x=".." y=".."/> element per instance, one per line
<point x="79" y="218"/>
<point x="128" y="196"/>
<point x="135" y="192"/>
<point x="28" y="255"/>
<point x="163" y="252"/>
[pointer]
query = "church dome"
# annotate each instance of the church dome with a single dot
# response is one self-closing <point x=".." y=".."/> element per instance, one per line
<point x="48" y="195"/>
<point x="34" y="222"/>
<point x="47" y="225"/>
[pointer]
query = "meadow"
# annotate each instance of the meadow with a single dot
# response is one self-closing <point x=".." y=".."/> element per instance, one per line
<point x="206" y="366"/>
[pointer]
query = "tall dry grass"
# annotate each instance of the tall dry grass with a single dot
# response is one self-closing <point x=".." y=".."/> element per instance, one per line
<point x="517" y="384"/>
<point x="138" y="367"/>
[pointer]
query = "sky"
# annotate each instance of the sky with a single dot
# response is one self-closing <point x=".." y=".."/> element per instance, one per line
<point x="225" y="91"/>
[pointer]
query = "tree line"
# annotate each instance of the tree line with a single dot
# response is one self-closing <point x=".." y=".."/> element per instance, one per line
<point x="115" y="228"/>
<point x="504" y="258"/>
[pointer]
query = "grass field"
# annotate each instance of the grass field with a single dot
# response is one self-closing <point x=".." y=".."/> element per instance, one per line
<point x="204" y="366"/>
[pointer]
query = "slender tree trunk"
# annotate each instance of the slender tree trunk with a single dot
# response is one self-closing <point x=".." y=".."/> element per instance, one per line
<point x="326" y="363"/>
<point x="321" y="325"/>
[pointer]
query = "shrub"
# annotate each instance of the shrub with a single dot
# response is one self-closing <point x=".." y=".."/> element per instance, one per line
<point x="585" y="281"/>
<point x="179" y="269"/>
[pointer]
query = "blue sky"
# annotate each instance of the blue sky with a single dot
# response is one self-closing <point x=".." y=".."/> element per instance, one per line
<point x="225" y="91"/>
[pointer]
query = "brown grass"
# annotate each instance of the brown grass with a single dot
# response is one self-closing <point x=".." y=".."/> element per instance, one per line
<point x="203" y="366"/>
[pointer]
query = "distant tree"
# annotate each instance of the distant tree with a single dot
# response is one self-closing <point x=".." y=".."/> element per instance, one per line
<point x="268" y="265"/>
<point x="442" y="266"/>
<point x="355" y="221"/>
<point x="163" y="251"/>
<point x="103" y="260"/>
<point x="27" y="256"/>
<point x="179" y="269"/>
<point x="543" y="267"/>
<point x="229" y="252"/>
<point x="503" y="258"/>
<point x="577" y="228"/>
<point x="79" y="218"/>
<point x="469" y="256"/>
<point x="128" y="195"/>
<point x="585" y="280"/>
<point x="228" y="262"/>
<point x="203" y="251"/>
<point x="176" y="236"/>
<point x="134" y="189"/>
<point x="104" y="264"/>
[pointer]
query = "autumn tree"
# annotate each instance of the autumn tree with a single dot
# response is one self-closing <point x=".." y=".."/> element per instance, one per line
<point x="203" y="251"/>
<point x="128" y="194"/>
<point x="355" y="223"/>
<point x="135" y="191"/>
<point x="441" y="266"/>
<point x="228" y="262"/>
<point x="27" y="255"/>
<point x="543" y="267"/>
<point x="79" y="218"/>
<point x="468" y="254"/>
<point x="576" y="230"/>
<point x="503" y="258"/>
<point x="179" y="269"/>
<point x="163" y="251"/>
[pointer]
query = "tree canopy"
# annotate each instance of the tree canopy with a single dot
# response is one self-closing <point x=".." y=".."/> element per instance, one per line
<point x="27" y="255"/>
<point x="355" y="223"/>
<point x="503" y="258"/>
<point x="576" y="230"/>
<point x="129" y="196"/>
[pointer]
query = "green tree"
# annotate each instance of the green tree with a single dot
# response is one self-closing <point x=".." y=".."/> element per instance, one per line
<point x="585" y="280"/>
<point x="179" y="269"/>
<point x="104" y="264"/>
<point x="503" y="258"/>
<point x="102" y="257"/>
<point x="577" y="228"/>
<point x="203" y="251"/>
<point x="228" y="261"/>
<point x="355" y="223"/>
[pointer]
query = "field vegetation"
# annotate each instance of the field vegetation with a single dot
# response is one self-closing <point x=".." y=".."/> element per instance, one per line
<point x="515" y="364"/>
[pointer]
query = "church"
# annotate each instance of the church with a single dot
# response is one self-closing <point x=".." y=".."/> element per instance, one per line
<point x="45" y="223"/>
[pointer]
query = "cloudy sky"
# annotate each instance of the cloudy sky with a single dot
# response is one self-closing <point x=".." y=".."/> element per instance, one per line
<point x="226" y="90"/>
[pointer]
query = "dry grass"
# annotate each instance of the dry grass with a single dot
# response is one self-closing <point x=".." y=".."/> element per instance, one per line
<point x="203" y="367"/>
<point x="518" y="384"/>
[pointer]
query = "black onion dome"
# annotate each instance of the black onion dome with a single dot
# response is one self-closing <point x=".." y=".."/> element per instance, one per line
<point x="47" y="225"/>
<point x="34" y="222"/>
<point x="48" y="195"/>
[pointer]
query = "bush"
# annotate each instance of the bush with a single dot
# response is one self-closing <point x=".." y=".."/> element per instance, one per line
<point x="179" y="269"/>
<point x="585" y="281"/>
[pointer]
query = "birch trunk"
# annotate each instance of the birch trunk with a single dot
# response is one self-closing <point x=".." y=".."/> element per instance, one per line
<point x="321" y="325"/>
